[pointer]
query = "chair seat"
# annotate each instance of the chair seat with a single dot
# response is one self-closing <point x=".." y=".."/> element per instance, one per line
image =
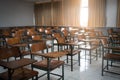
<point x="25" y="53"/>
<point x="19" y="74"/>
<point x="43" y="64"/>
<point x="87" y="47"/>
<point x="112" y="56"/>
<point x="74" y="52"/>
<point x="116" y="51"/>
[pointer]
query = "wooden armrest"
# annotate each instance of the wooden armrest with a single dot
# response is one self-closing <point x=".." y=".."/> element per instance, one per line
<point x="112" y="56"/>
<point x="20" y="45"/>
<point x="111" y="47"/>
<point x="52" y="54"/>
<point x="17" y="63"/>
<point x="38" y="54"/>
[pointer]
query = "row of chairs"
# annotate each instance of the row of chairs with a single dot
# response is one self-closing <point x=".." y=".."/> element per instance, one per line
<point x="34" y="49"/>
<point x="47" y="63"/>
<point x="111" y="52"/>
<point x="44" y="64"/>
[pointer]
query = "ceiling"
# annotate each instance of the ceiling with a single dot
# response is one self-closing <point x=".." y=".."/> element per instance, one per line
<point x="40" y="1"/>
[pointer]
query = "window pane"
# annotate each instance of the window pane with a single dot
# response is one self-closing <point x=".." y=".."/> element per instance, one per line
<point x="84" y="17"/>
<point x="84" y="3"/>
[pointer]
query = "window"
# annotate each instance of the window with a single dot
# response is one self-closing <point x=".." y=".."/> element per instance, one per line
<point x="84" y="13"/>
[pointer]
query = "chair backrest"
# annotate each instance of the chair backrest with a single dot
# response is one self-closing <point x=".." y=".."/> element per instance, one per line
<point x="6" y="52"/>
<point x="31" y="31"/>
<point x="38" y="46"/>
<point x="41" y="29"/>
<point x="19" y="33"/>
<point x="59" y="38"/>
<point x="114" y="37"/>
<point x="48" y="31"/>
<point x="6" y="32"/>
<point x="104" y="41"/>
<point x="14" y="40"/>
<point x="65" y="32"/>
<point x="36" y="37"/>
<point x="56" y="35"/>
<point x="72" y="32"/>
<point x="92" y="35"/>
<point x="110" y="31"/>
<point x="96" y="42"/>
<point x="80" y="37"/>
<point x="99" y="33"/>
<point x="90" y="30"/>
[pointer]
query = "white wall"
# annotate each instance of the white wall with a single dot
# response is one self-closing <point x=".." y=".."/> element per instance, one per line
<point x="16" y="13"/>
<point x="111" y="12"/>
<point x="19" y="13"/>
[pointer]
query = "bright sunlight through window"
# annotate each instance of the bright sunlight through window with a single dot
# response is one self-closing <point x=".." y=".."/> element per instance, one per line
<point x="84" y="13"/>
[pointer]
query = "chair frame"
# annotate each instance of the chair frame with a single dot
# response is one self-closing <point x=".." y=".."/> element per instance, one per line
<point x="14" y="71"/>
<point x="48" y="61"/>
<point x="60" y="43"/>
<point x="112" y="57"/>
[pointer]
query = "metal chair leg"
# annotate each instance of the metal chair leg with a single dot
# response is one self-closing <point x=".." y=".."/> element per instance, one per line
<point x="79" y="59"/>
<point x="102" y="66"/>
<point x="107" y="64"/>
<point x="63" y="72"/>
<point x="67" y="59"/>
<point x="36" y="77"/>
<point x="71" y="63"/>
<point x="90" y="57"/>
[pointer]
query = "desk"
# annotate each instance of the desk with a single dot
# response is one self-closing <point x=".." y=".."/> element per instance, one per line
<point x="12" y="65"/>
<point x="52" y="54"/>
<point x="48" y="64"/>
<point x="101" y="37"/>
<point x="88" y="40"/>
<point x="90" y="46"/>
<point x="110" y="56"/>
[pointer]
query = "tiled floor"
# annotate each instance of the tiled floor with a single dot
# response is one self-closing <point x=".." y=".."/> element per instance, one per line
<point x="84" y="72"/>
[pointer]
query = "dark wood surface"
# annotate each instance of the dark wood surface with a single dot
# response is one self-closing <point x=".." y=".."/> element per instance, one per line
<point x="52" y="54"/>
<point x="17" y="63"/>
<point x="19" y="74"/>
